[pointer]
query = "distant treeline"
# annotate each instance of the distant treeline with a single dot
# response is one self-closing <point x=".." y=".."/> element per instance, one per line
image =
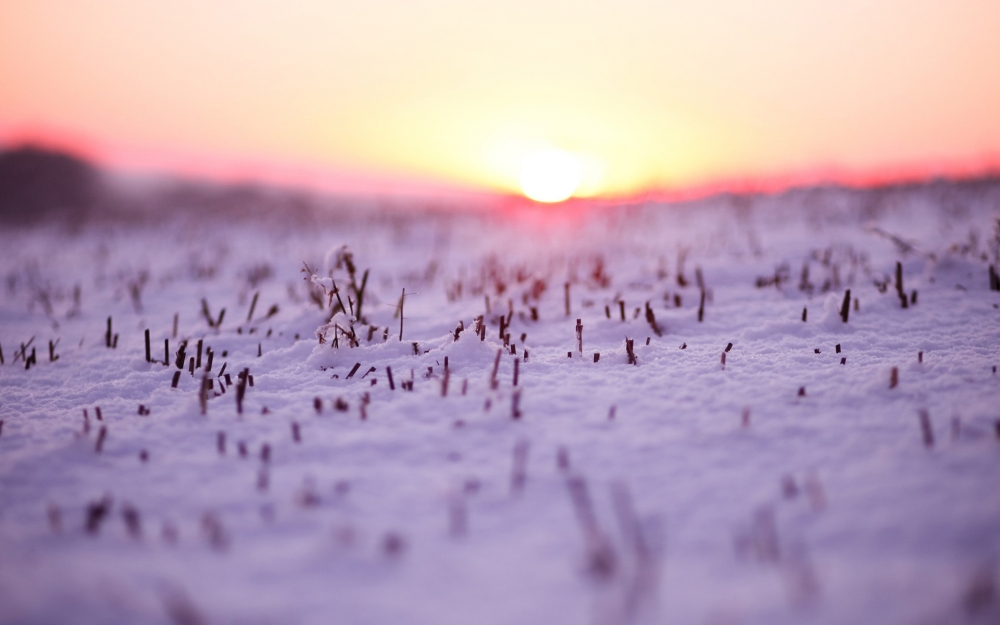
<point x="38" y="185"/>
<point x="42" y="186"/>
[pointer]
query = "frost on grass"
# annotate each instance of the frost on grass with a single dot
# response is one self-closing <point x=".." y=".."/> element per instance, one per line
<point x="740" y="410"/>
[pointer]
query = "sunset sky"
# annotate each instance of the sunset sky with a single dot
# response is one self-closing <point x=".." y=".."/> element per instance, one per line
<point x="646" y="95"/>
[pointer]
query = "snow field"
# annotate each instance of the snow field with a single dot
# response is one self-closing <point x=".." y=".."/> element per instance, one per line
<point x="677" y="489"/>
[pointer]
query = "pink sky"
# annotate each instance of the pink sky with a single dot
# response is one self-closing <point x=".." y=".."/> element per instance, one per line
<point x="651" y="95"/>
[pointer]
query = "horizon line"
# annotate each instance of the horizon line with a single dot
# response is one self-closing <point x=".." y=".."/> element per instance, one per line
<point x="353" y="181"/>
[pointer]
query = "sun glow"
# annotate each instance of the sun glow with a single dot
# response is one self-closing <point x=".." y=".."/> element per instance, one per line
<point x="551" y="175"/>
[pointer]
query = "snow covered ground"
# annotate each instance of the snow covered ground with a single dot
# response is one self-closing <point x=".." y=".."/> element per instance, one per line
<point x="815" y="471"/>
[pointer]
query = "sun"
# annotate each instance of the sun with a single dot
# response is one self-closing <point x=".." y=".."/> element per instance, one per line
<point x="550" y="175"/>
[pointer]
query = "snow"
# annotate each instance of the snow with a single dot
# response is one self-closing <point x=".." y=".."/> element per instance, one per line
<point x="675" y="490"/>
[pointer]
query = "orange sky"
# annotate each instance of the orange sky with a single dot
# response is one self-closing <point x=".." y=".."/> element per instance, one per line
<point x="653" y="94"/>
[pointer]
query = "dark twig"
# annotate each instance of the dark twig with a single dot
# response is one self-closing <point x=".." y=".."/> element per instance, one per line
<point x="900" y="292"/>
<point x="253" y="305"/>
<point x="925" y="428"/>
<point x="630" y="351"/>
<point x="651" y="319"/>
<point x="101" y="435"/>
<point x="496" y="367"/>
<point x="241" y="389"/>
<point x="402" y="299"/>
